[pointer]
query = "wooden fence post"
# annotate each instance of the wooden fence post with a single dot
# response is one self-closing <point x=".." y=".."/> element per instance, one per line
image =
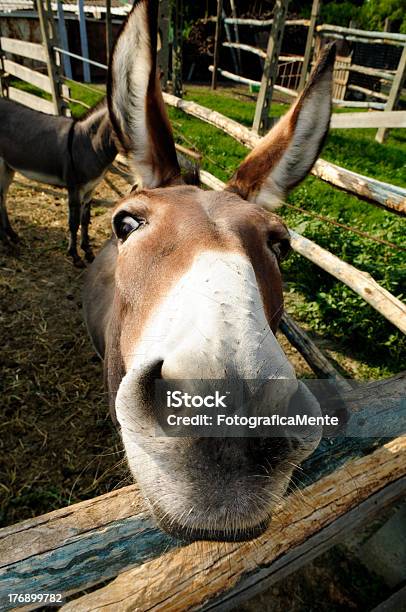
<point x="163" y="52"/>
<point x="309" y="43"/>
<point x="394" y="93"/>
<point x="217" y="43"/>
<point x="261" y="119"/>
<point x="109" y="30"/>
<point x="177" y="88"/>
<point x="236" y="33"/>
<point x="63" y="39"/>
<point x="49" y="40"/>
<point x="83" y="40"/>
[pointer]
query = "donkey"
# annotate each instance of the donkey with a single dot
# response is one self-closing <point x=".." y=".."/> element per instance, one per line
<point x="189" y="289"/>
<point x="58" y="151"/>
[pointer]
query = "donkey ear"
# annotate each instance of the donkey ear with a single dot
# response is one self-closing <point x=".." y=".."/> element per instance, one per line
<point x="136" y="107"/>
<point x="287" y="153"/>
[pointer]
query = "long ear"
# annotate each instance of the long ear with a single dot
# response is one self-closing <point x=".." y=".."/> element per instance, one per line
<point x="287" y="153"/>
<point x="135" y="102"/>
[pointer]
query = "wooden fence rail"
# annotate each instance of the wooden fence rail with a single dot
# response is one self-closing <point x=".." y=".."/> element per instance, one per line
<point x="383" y="194"/>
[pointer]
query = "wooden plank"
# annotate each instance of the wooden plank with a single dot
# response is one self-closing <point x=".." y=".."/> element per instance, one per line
<point x="217" y="43"/>
<point x="387" y="36"/>
<point x="198" y="574"/>
<point x="356" y="104"/>
<point x="49" y="40"/>
<point x="23" y="48"/>
<point x="244" y="47"/>
<point x="361" y="282"/>
<point x="394" y="93"/>
<point x="382" y="74"/>
<point x="265" y="23"/>
<point x="27" y="74"/>
<point x="270" y="72"/>
<point x="388" y="119"/>
<point x="34" y="102"/>
<point x="311" y="353"/>
<point x="309" y="43"/>
<point x="368" y="92"/>
<point x="318" y="543"/>
<point x="236" y="32"/>
<point x="383" y="194"/>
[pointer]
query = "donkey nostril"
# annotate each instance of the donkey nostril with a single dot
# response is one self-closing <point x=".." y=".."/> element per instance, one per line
<point x="148" y="378"/>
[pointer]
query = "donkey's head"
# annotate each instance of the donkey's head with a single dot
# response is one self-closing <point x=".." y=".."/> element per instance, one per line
<point x="198" y="296"/>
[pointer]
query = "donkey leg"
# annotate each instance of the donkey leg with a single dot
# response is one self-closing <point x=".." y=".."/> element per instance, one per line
<point x="74" y="220"/>
<point x="6" y="177"/>
<point x="84" y="228"/>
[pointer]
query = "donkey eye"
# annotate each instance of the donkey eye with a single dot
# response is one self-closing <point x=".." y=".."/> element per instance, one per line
<point x="281" y="248"/>
<point x="126" y="225"/>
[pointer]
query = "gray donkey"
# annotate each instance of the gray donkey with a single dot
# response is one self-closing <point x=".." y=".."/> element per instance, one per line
<point x="58" y="151"/>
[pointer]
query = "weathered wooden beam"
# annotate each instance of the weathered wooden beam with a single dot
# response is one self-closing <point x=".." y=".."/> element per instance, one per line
<point x="27" y="74"/>
<point x="394" y="93"/>
<point x="270" y="71"/>
<point x="368" y="92"/>
<point x="387" y="36"/>
<point x="387" y="119"/>
<point x="23" y="48"/>
<point x="198" y="575"/>
<point x="35" y="102"/>
<point x="383" y="194"/>
<point x="217" y="43"/>
<point x="261" y="23"/>
<point x="311" y="353"/>
<point x="382" y="74"/>
<point x="261" y="53"/>
<point x="389" y="196"/>
<point x="49" y="40"/>
<point x="309" y="43"/>
<point x="241" y="79"/>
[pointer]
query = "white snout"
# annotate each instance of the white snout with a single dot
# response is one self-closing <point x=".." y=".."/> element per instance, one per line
<point x="211" y="326"/>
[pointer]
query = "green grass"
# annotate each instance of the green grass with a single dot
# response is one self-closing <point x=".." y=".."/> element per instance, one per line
<point x="325" y="305"/>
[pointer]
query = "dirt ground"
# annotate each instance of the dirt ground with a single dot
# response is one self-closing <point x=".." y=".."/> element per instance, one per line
<point x="58" y="445"/>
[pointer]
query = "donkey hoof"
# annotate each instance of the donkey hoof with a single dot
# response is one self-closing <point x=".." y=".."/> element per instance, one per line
<point x="78" y="262"/>
<point x="13" y="236"/>
<point x="89" y="256"/>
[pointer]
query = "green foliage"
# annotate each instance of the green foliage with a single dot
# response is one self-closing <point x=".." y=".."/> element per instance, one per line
<point x="374" y="12"/>
<point x="339" y="13"/>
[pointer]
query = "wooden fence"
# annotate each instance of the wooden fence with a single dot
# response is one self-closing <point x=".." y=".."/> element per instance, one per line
<point x="51" y="82"/>
<point x="292" y="70"/>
